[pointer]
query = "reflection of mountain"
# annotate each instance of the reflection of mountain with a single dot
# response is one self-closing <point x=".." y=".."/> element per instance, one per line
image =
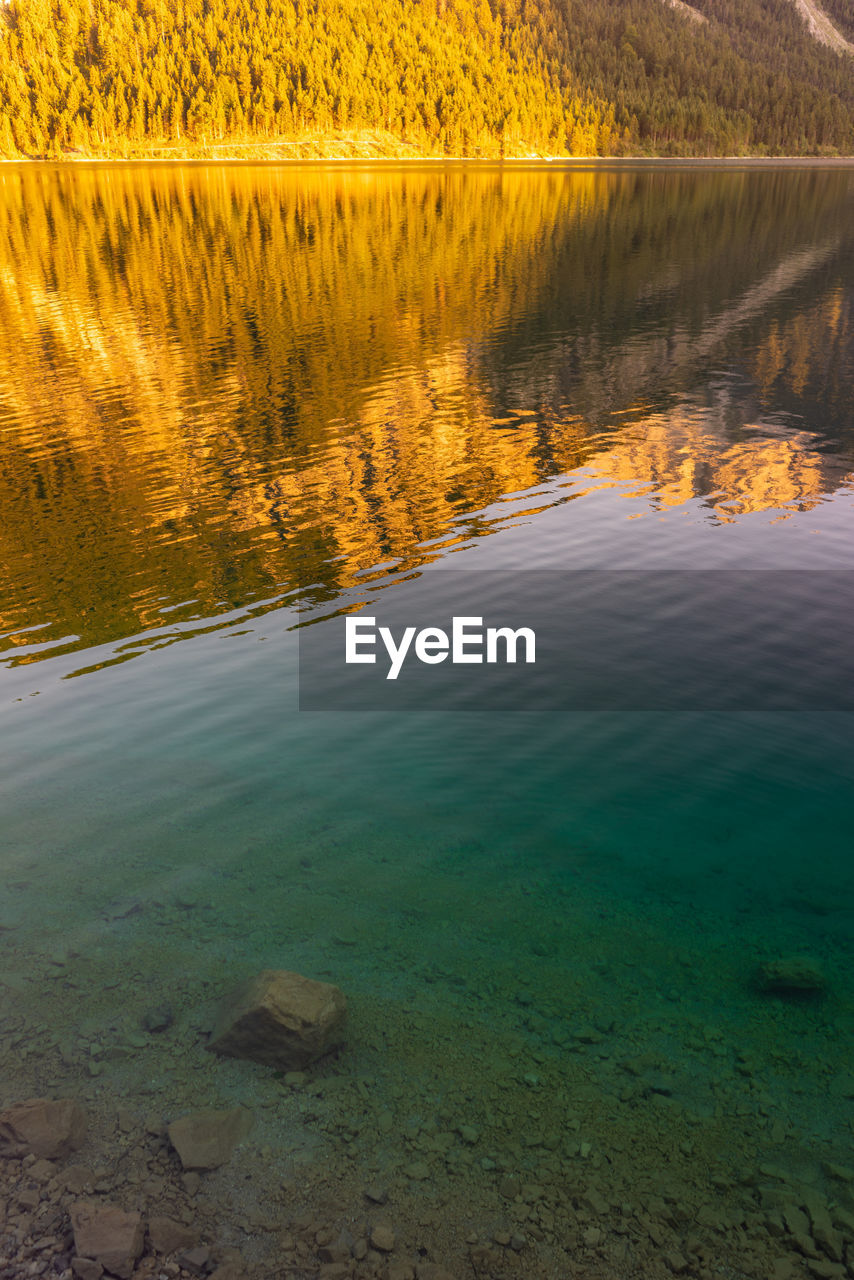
<point x="675" y="457"/>
<point x="213" y="381"/>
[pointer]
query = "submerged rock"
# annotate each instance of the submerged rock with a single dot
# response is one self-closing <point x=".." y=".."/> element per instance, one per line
<point x="157" y="1019"/>
<point x="108" y="1235"/>
<point x="42" y="1127"/>
<point x="86" y="1269"/>
<point x="205" y="1139"/>
<point x="280" y="1019"/>
<point x="792" y="976"/>
<point x="168" y="1236"/>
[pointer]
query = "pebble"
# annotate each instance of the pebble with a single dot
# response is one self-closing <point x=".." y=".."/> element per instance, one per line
<point x="195" y="1260"/>
<point x="791" y="976"/>
<point x="296" y="1079"/>
<point x="596" y="1202"/>
<point x="157" y="1019"/>
<point x="86" y="1269"/>
<point x="824" y="1270"/>
<point x="382" y="1238"/>
<point x="400" y="1271"/>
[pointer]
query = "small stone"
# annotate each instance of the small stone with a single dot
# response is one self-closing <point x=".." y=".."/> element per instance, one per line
<point x="502" y="1238"/>
<point x="336" y="1250"/>
<point x="844" y="1220"/>
<point x="843" y="1085"/>
<point x="160" y="1018"/>
<point x="401" y="1271"/>
<point x="595" y="1202"/>
<point x="593" y="1237"/>
<point x="509" y="1188"/>
<point x="191" y="1182"/>
<point x="518" y="1243"/>
<point x="827" y="1239"/>
<point x="109" y="1235"/>
<point x="42" y="1127"/>
<point x="797" y="1223"/>
<point x="382" y="1238"/>
<point x="195" y="1260"/>
<point x="87" y="1268"/>
<point x="205" y="1139"/>
<point x="824" y="1270"/>
<point x="125" y="1120"/>
<point x="378" y="1195"/>
<point x="281" y="1019"/>
<point x="418" y="1171"/>
<point x="468" y="1134"/>
<point x="154" y="1125"/>
<point x="168" y="1236"/>
<point x="675" y="1261"/>
<point x="78" y="1179"/>
<point x="41" y="1171"/>
<point x="791" y="976"/>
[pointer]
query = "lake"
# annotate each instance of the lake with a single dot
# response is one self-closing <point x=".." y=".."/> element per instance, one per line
<point x="597" y="955"/>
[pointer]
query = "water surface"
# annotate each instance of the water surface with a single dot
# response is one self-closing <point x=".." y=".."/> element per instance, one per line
<point x="219" y="382"/>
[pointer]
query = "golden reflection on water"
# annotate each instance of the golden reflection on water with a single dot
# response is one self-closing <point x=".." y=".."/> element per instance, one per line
<point x="215" y="381"/>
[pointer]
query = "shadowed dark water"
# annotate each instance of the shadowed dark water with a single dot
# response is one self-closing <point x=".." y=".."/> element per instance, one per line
<point x="219" y="382"/>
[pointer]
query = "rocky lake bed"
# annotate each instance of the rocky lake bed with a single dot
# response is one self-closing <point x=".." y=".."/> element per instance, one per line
<point x="502" y="1119"/>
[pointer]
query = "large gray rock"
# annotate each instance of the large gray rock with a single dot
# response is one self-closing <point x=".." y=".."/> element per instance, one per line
<point x="42" y="1127"/>
<point x="205" y="1139"/>
<point x="281" y="1019"/>
<point x="108" y="1235"/>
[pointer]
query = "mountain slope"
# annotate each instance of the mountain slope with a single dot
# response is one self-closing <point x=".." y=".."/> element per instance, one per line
<point x="820" y="26"/>
<point x="433" y="77"/>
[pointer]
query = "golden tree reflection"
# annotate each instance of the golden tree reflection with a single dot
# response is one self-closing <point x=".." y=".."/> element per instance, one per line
<point x="215" y="381"/>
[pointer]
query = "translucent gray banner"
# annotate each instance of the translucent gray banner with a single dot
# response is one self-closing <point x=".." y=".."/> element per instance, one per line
<point x="585" y="640"/>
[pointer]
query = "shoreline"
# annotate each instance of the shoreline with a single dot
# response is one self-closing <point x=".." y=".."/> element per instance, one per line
<point x="436" y="162"/>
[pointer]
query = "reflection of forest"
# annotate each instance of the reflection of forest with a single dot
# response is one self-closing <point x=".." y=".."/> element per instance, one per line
<point x="217" y="380"/>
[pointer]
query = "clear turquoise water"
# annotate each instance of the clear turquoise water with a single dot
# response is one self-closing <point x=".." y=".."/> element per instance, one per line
<point x="486" y="888"/>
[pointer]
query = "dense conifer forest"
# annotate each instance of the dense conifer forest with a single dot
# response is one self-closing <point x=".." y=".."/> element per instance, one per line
<point x="421" y="77"/>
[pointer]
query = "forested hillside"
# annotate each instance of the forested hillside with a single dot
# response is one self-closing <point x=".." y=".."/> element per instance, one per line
<point x="433" y="77"/>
